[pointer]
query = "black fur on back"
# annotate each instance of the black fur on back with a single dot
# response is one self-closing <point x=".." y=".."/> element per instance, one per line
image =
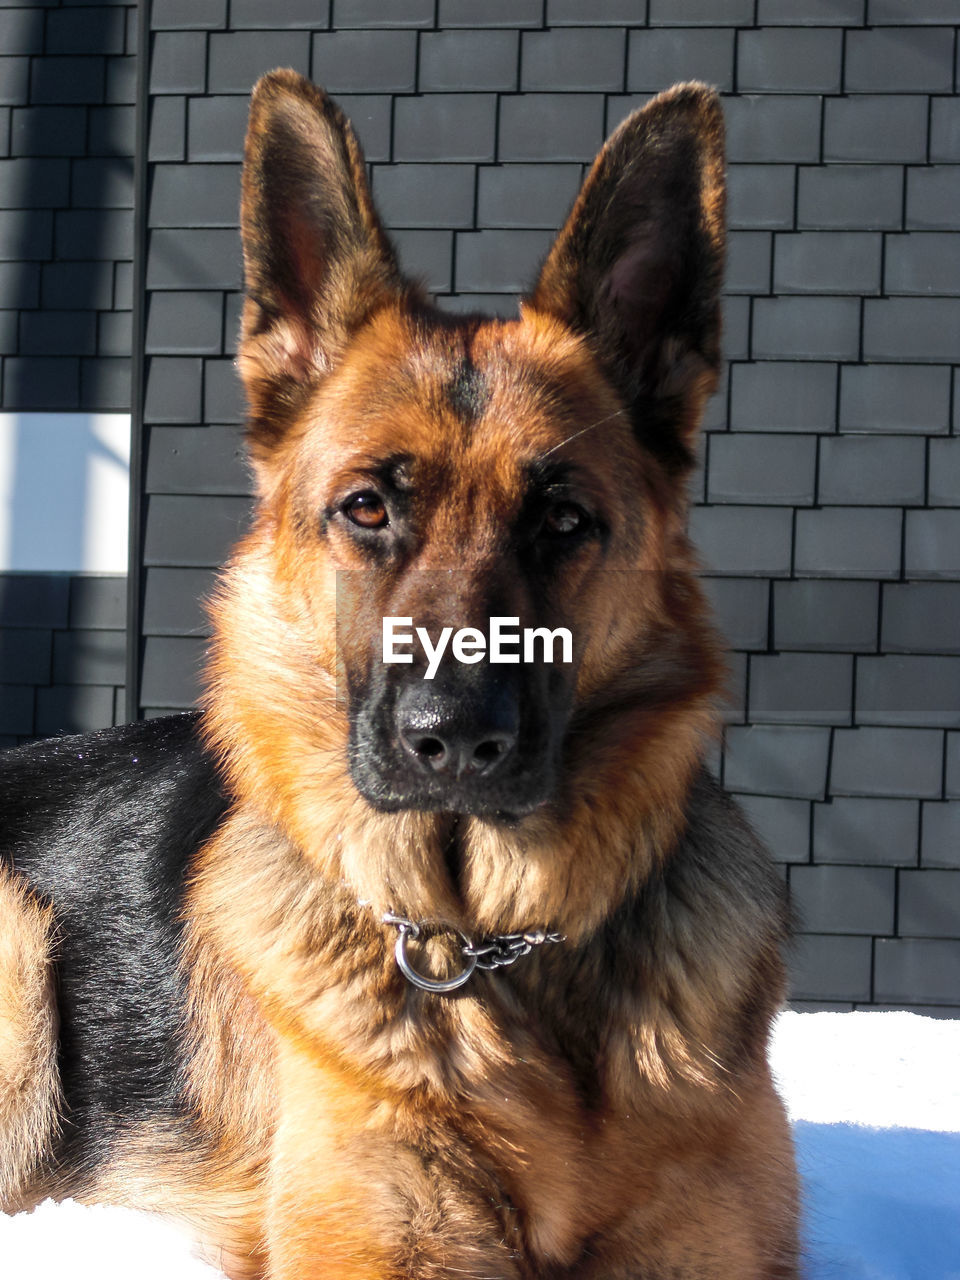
<point x="102" y="825"/>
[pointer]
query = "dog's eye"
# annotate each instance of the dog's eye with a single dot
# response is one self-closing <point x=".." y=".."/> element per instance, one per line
<point x="564" y="519"/>
<point x="366" y="510"/>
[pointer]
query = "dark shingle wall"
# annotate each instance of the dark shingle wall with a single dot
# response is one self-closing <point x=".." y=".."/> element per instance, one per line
<point x="67" y="104"/>
<point x="827" y="504"/>
<point x="67" y="86"/>
<point x="62" y="652"/>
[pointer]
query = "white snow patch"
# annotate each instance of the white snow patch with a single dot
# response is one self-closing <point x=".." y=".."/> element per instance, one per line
<point x="882" y="1069"/>
<point x="69" y="1241"/>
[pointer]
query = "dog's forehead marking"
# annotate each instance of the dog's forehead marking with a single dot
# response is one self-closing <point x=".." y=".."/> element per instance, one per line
<point x="488" y="369"/>
<point x="468" y="390"/>
<point x="446" y="370"/>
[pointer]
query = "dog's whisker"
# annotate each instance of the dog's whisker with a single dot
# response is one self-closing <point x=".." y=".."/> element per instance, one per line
<point x="601" y="422"/>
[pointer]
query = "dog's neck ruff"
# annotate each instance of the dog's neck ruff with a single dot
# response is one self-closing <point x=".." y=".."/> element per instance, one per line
<point x="491" y="953"/>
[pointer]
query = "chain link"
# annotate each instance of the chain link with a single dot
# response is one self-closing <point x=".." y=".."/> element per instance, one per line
<point x="506" y="948"/>
<point x="493" y="953"/>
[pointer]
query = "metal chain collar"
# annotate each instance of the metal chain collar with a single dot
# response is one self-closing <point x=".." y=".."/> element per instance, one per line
<point x="490" y="953"/>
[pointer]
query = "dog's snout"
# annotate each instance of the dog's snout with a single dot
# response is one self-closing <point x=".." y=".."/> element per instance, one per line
<point x="456" y="737"/>
<point x="478" y="738"/>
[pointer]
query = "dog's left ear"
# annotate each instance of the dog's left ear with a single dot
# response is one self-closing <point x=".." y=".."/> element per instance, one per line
<point x="639" y="264"/>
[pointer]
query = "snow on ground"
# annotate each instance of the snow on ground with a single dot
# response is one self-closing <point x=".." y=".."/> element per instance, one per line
<point x="67" y="1242"/>
<point x="880" y="1069"/>
<point x="875" y="1103"/>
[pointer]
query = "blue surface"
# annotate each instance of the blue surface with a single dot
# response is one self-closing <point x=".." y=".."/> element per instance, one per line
<point x="881" y="1204"/>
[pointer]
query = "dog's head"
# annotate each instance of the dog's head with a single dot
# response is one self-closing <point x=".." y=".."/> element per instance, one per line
<point x="446" y="471"/>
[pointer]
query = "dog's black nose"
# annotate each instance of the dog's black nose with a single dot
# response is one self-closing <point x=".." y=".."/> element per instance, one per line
<point x="456" y="737"/>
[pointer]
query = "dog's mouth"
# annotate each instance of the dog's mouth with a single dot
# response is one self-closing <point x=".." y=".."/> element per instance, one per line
<point x="506" y="801"/>
<point x="503" y="785"/>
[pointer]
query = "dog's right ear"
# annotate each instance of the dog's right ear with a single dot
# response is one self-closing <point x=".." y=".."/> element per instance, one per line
<point x="316" y="259"/>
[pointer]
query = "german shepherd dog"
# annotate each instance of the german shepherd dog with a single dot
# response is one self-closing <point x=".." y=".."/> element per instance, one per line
<point x="364" y="975"/>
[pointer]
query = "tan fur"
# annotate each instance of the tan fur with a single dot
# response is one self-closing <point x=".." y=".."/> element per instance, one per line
<point x="321" y="963"/>
<point x="29" y="1080"/>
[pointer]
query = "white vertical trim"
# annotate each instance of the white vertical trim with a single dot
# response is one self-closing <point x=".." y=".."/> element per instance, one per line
<point x="64" y="485"/>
